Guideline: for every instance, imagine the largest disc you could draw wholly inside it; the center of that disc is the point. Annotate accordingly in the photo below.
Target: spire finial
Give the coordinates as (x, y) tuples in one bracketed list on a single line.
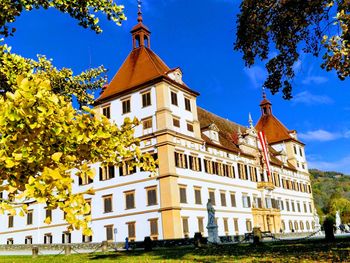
[(263, 93), (250, 120), (139, 17)]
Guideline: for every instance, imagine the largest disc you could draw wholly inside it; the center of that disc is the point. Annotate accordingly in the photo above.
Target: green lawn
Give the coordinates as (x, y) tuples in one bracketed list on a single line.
[(307, 251)]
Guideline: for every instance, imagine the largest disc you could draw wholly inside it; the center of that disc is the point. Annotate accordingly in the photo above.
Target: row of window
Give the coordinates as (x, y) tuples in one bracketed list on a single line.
[(174, 101), (151, 195), (109, 172), (288, 205), (245, 172), (109, 234), (297, 225), (126, 105), (146, 101)]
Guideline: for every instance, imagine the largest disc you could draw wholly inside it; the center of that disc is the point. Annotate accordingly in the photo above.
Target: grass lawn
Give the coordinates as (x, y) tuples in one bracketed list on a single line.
[(307, 251)]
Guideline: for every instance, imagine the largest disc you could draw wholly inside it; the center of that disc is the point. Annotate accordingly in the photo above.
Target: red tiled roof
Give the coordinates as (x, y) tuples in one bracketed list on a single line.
[(274, 130), (140, 66)]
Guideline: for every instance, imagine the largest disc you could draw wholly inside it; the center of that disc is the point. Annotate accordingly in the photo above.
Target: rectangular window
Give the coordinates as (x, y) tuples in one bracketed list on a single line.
[(180, 160), (235, 224), (268, 202), (174, 98), (146, 99), (66, 238), (190, 127), (305, 208), (185, 226), (107, 203), (195, 163), (48, 213), (197, 196), (84, 179), (28, 240), (298, 206), (246, 201), (187, 104), (233, 199), (147, 126), (153, 224), (109, 232), (295, 149), (106, 172), (183, 196), (293, 206), (130, 200), (30, 217), (86, 239), (127, 169), (131, 230), (106, 111), (248, 224), (200, 224), (301, 152), (48, 238), (226, 226), (151, 196), (10, 221), (212, 197), (176, 122), (9, 241), (287, 205), (241, 171), (126, 106), (223, 198)]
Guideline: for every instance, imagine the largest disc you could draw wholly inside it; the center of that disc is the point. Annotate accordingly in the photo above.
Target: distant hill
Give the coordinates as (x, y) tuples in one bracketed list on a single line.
[(331, 192)]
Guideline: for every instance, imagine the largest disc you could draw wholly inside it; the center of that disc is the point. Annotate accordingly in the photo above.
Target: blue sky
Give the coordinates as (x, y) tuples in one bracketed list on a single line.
[(198, 36)]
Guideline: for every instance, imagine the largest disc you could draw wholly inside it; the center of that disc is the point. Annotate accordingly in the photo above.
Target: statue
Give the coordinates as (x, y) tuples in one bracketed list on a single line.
[(337, 222), (211, 213), (213, 237)]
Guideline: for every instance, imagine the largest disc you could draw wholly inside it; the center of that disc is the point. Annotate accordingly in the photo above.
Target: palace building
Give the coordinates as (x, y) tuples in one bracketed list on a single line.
[(201, 156)]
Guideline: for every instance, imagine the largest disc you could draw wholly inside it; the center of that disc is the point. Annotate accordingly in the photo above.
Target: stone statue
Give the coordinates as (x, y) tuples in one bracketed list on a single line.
[(211, 213), (337, 222), (213, 237)]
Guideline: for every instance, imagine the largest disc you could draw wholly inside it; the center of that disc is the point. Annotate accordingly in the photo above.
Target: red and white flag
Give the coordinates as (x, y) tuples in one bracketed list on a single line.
[(263, 143)]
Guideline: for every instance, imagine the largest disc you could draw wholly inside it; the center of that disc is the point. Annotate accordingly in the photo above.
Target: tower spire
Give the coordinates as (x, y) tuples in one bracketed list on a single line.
[(139, 13), (140, 33)]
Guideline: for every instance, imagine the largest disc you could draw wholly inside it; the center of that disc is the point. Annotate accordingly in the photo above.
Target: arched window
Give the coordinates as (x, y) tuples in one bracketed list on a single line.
[(146, 40), (290, 225), (307, 225), (301, 225), (283, 226), (313, 225), (137, 39), (296, 226)]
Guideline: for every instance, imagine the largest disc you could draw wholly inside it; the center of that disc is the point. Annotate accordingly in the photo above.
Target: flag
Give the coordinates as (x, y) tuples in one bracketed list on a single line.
[(263, 143)]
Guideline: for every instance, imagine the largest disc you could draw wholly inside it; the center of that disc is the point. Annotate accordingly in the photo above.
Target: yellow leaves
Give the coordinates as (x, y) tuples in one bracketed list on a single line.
[(87, 232), (90, 191), (47, 220), (9, 163), (56, 156)]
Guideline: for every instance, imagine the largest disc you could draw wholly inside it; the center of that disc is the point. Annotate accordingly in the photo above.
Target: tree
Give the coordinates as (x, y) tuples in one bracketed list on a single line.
[(287, 28), (45, 142)]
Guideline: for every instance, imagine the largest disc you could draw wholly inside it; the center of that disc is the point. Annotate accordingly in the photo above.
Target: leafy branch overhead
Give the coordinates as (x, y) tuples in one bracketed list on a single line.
[(285, 28), (83, 11), (45, 143)]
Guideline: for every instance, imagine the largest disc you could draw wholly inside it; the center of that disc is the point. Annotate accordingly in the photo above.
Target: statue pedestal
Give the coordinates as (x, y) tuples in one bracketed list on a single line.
[(213, 237)]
